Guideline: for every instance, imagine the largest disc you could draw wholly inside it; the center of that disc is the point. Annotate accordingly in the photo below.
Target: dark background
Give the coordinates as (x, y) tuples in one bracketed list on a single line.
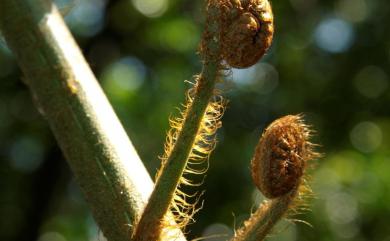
[(329, 60)]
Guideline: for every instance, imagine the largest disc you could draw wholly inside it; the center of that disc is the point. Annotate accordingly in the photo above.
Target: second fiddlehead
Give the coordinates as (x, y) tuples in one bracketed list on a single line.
[(278, 168)]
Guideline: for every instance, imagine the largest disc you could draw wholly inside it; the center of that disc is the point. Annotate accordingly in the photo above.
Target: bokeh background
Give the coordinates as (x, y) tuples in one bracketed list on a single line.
[(329, 60)]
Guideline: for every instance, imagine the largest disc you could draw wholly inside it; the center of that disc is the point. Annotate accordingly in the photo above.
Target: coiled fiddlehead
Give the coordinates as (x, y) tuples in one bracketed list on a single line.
[(281, 155), (246, 30), (278, 168)]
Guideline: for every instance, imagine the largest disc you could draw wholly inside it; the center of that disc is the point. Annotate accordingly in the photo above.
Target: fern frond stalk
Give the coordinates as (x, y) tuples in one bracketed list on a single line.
[(182, 146), (184, 205)]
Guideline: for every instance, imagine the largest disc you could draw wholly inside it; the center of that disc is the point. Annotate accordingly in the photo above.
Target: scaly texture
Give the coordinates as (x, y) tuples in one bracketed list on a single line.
[(246, 30), (278, 168), (281, 155)]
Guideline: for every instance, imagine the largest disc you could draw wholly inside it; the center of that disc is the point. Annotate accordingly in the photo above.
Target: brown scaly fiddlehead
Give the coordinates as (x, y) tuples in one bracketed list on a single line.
[(278, 169), (246, 30)]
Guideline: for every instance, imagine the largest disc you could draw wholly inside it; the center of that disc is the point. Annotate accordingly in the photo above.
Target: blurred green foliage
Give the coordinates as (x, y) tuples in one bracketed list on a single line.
[(329, 60)]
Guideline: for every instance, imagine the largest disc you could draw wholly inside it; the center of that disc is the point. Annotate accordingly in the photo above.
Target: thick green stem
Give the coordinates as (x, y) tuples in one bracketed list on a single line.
[(264, 219), (101, 156)]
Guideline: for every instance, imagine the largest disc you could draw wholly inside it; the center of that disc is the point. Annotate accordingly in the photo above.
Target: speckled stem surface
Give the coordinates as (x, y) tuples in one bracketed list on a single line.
[(101, 156)]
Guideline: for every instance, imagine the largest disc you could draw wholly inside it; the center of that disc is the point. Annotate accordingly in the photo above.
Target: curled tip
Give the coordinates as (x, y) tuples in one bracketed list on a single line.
[(281, 156), (249, 35), (244, 28), (247, 32)]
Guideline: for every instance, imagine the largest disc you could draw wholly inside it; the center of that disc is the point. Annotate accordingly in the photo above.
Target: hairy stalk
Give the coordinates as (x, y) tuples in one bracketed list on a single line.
[(278, 170), (181, 146), (191, 138), (101, 156), (184, 205)]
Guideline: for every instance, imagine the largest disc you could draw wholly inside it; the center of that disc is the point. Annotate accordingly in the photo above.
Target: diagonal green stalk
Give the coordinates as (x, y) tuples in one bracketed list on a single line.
[(149, 226), (172, 171), (101, 156)]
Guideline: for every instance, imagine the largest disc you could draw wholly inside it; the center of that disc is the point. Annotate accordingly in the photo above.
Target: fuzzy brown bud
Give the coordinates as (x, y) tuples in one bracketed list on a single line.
[(246, 31), (281, 156)]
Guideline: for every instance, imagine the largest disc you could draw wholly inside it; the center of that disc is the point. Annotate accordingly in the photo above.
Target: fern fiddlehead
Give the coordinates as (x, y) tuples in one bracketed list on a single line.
[(278, 170)]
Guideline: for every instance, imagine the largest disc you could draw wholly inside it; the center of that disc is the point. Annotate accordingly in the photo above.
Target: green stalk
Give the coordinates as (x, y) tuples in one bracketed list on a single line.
[(102, 158), (172, 171), (149, 227)]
